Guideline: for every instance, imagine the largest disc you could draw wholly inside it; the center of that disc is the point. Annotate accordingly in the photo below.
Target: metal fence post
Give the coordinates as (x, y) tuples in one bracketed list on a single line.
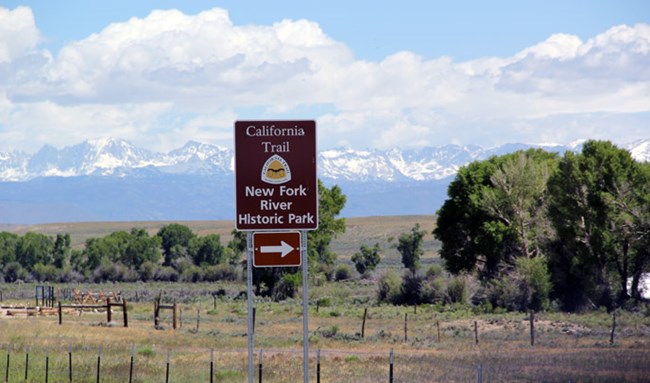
[(7, 371), (390, 370), (69, 363), (211, 365)]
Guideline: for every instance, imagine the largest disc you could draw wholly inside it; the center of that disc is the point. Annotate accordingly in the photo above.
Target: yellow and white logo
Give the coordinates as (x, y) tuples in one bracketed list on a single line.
[(276, 170)]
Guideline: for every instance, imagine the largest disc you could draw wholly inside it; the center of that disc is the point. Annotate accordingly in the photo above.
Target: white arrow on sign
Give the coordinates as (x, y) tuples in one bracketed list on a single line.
[(283, 249)]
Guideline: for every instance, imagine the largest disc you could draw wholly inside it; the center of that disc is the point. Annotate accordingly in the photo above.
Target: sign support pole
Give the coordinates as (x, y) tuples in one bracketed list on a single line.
[(305, 304), (249, 295)]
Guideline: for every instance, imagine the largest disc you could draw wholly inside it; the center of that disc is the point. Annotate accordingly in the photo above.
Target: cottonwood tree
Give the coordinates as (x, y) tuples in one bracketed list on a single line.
[(599, 210), (410, 247), (366, 259), (175, 241), (517, 199), (495, 213)]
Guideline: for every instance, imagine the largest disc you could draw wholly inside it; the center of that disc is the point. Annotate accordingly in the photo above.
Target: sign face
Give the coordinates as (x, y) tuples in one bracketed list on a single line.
[(276, 249), (275, 170)]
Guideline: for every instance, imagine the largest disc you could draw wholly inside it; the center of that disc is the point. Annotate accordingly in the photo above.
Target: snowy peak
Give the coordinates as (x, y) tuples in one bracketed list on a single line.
[(640, 150), (119, 158)]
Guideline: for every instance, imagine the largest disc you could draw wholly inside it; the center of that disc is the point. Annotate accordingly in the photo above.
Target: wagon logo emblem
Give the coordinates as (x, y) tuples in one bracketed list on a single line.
[(276, 170)]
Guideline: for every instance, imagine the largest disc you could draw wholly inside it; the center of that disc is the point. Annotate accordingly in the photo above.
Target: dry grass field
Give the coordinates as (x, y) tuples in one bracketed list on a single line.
[(568, 347)]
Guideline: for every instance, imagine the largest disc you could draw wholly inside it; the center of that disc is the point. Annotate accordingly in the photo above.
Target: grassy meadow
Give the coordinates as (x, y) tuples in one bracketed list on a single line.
[(430, 342)]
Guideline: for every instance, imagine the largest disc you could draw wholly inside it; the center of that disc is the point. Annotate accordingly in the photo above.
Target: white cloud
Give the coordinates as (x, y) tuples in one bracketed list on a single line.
[(170, 77), (18, 33)]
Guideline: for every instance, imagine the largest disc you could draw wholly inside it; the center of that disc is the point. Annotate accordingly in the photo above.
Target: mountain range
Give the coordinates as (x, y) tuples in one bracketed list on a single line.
[(112, 180)]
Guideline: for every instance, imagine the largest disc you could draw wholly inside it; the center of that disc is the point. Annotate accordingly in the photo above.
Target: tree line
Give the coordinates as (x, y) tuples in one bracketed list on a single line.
[(174, 253), (536, 227)]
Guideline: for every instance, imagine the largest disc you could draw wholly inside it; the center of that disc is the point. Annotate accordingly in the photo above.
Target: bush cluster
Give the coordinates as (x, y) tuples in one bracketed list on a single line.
[(414, 288)]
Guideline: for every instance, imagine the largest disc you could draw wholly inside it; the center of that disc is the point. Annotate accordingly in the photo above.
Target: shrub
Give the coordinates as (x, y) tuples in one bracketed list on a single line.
[(457, 290), (536, 282), (220, 273), (343, 273), (388, 287), (411, 288), (287, 287), (433, 290), (13, 272), (434, 271), (147, 271), (45, 273), (192, 274), (166, 274), (324, 302), (527, 287)]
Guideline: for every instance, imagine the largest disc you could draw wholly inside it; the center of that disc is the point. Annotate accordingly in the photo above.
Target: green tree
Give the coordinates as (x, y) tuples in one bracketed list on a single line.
[(410, 247), (62, 250), (34, 248), (207, 250), (330, 203), (141, 248), (366, 259), (516, 199), (495, 213), (8, 244), (593, 198), (175, 241), (95, 252), (462, 226)]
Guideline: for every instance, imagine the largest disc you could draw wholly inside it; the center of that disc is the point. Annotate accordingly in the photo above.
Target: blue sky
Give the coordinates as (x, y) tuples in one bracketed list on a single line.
[(373, 74)]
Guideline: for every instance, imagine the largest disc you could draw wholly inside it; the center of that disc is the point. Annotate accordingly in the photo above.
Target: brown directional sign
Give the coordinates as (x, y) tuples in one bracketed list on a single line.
[(275, 171), (276, 249)]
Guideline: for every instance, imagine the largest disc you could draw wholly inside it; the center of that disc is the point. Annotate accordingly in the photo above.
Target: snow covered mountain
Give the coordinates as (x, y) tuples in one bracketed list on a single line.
[(116, 157), (112, 180)]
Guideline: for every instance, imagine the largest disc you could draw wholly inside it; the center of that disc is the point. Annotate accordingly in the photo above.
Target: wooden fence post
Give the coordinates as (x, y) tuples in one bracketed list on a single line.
[(406, 319), (532, 327), (174, 316), (109, 317), (438, 327), (363, 323), (155, 313), (476, 332), (611, 336), (60, 314), (124, 313), (198, 318)]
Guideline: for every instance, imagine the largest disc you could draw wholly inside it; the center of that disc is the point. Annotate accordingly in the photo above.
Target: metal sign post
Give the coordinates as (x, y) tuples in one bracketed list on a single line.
[(249, 296), (305, 307)]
